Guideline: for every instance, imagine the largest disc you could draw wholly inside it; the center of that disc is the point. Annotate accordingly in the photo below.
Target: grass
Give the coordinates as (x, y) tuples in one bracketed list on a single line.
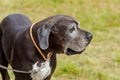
[(101, 59)]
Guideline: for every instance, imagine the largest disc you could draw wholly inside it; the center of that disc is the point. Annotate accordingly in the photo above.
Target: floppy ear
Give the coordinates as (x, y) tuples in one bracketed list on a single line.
[(43, 36)]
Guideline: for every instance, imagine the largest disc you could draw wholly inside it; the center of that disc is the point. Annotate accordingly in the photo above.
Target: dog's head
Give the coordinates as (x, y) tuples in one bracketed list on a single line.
[(62, 34)]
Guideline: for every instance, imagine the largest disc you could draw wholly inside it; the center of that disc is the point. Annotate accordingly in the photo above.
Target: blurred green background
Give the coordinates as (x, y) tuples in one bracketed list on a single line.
[(101, 59)]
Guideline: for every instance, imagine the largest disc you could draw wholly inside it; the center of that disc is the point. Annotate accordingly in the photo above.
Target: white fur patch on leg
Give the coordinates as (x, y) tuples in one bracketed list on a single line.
[(41, 72)]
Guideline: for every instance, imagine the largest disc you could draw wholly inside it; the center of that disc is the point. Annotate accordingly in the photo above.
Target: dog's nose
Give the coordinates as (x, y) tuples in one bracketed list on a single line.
[(89, 35)]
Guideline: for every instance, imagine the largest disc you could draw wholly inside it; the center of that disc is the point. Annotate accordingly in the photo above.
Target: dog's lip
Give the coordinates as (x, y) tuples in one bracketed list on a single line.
[(72, 52)]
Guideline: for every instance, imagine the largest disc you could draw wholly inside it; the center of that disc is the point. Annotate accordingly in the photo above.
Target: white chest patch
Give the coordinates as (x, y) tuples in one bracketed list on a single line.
[(41, 72)]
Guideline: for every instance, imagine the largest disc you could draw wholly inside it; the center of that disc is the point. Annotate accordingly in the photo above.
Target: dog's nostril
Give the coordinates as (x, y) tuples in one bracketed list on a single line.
[(89, 35)]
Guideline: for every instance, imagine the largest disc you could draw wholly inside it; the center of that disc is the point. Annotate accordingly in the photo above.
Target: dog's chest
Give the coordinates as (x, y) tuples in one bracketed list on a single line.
[(41, 72)]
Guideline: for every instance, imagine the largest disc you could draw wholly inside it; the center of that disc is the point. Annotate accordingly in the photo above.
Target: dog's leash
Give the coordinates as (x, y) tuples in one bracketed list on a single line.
[(20, 71), (36, 46), (31, 35), (15, 70)]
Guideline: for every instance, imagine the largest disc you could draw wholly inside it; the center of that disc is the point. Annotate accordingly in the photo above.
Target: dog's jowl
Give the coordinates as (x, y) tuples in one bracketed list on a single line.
[(55, 34)]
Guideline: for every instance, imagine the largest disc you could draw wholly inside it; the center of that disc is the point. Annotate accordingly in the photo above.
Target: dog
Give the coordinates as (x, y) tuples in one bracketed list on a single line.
[(55, 34)]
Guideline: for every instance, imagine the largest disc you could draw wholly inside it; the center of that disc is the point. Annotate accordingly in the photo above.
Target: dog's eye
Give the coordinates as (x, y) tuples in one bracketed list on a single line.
[(72, 29)]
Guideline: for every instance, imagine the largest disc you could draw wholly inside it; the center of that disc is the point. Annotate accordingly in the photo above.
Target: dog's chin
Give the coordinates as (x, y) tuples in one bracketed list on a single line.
[(73, 52)]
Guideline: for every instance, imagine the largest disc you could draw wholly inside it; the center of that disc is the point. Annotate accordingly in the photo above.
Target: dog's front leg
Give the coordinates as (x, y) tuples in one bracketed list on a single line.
[(48, 78), (20, 76)]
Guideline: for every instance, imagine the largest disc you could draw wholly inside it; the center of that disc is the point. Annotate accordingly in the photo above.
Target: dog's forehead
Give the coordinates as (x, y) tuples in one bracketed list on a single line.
[(64, 20)]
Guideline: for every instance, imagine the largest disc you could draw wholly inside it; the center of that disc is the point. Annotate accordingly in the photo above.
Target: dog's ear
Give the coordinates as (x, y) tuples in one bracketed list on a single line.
[(43, 36)]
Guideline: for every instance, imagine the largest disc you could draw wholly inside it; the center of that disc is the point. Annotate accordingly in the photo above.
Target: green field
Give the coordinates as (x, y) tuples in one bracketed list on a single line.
[(101, 59)]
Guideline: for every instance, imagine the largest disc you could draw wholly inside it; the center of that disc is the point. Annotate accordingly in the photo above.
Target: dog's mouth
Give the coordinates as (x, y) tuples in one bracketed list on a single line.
[(72, 52)]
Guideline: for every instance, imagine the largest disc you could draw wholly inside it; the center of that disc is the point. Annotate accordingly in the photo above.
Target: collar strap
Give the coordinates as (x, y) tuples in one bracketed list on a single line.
[(36, 46)]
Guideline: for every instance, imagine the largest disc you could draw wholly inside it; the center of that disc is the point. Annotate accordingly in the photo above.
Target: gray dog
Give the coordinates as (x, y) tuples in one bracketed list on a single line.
[(56, 34)]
